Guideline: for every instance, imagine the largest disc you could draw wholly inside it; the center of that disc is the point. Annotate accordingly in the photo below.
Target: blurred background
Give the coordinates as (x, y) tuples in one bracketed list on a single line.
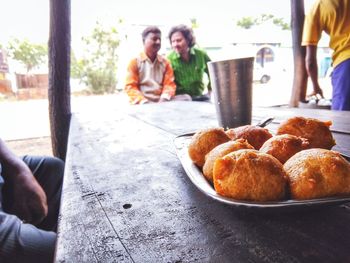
[(106, 34)]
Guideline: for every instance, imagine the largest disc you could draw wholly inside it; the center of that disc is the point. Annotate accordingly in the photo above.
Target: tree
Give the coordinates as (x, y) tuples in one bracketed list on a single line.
[(76, 69), (194, 23), (29, 54), (263, 18), (98, 67), (280, 22), (248, 22)]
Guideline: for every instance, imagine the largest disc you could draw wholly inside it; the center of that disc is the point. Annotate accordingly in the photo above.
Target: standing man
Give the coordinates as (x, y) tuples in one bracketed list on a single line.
[(189, 63), (332, 17), (150, 77)]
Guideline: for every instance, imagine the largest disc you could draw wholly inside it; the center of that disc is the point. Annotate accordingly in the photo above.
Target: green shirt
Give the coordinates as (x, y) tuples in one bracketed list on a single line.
[(189, 75)]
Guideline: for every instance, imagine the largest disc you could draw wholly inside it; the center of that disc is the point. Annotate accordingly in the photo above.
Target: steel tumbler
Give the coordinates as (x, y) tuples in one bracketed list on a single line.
[(231, 82)]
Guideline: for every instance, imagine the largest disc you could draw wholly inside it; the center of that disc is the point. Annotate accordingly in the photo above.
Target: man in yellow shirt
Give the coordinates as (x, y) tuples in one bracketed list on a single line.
[(332, 17)]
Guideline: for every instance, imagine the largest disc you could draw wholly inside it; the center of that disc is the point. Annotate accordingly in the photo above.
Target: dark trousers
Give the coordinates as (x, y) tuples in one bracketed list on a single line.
[(341, 86), (20, 242)]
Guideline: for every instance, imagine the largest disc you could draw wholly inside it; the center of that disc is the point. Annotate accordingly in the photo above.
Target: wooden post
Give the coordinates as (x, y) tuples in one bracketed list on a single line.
[(300, 74), (59, 75)]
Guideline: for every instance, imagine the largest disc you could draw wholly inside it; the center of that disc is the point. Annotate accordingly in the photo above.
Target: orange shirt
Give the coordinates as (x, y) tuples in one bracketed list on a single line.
[(149, 81)]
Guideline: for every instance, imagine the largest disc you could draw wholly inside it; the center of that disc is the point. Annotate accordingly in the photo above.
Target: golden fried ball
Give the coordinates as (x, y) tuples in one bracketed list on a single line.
[(220, 151), (316, 173), (284, 146), (316, 131), (250, 175), (203, 142), (255, 135)]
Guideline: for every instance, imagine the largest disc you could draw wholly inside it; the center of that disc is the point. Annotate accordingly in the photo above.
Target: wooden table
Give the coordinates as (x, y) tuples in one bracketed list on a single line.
[(126, 197)]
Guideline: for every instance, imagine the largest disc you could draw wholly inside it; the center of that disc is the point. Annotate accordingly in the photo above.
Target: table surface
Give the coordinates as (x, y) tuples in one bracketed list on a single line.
[(127, 198)]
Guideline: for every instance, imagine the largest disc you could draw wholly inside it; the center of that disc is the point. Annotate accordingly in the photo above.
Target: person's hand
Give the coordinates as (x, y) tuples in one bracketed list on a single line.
[(163, 100), (164, 97), (157, 92), (29, 199), (22, 194), (317, 92)]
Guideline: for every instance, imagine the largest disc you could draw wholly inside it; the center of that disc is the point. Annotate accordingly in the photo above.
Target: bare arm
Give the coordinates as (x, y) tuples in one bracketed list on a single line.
[(312, 70), (29, 200)]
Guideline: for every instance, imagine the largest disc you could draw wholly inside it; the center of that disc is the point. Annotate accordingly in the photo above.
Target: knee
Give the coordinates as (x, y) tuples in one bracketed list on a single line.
[(55, 166), (58, 163)]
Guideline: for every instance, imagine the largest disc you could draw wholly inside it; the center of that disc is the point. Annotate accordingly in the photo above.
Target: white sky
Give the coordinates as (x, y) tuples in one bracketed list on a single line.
[(30, 19), (26, 19)]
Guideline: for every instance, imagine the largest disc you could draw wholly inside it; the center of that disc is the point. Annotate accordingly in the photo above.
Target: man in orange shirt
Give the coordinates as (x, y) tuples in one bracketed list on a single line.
[(150, 77)]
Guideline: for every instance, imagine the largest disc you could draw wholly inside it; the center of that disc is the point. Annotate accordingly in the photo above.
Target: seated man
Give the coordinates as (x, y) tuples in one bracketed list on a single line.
[(189, 64), (150, 77), (30, 193)]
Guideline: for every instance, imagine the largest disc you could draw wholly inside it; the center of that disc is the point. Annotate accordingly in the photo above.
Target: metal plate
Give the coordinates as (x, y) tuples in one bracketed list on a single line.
[(195, 175)]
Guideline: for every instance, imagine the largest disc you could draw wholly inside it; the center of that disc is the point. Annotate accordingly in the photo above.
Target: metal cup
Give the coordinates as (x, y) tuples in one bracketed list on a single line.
[(231, 82)]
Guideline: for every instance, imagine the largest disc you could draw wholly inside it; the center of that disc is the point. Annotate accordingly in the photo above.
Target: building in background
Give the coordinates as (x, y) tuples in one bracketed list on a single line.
[(5, 83)]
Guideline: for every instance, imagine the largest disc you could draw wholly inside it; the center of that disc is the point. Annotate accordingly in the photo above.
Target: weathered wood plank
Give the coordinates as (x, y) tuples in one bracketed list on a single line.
[(199, 115), (127, 198), (88, 234), (300, 75)]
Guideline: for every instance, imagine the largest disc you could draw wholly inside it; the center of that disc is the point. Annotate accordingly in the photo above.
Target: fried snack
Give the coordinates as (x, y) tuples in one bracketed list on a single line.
[(250, 175), (220, 151), (316, 173), (255, 135), (284, 146), (316, 131), (203, 142)]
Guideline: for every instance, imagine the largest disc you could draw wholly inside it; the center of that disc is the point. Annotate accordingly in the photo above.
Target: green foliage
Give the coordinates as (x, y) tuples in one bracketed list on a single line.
[(263, 18), (76, 66), (248, 22), (29, 54), (280, 22), (194, 23), (98, 67)]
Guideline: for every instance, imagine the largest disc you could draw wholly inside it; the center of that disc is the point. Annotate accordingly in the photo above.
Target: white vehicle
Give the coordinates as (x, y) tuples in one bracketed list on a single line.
[(261, 74)]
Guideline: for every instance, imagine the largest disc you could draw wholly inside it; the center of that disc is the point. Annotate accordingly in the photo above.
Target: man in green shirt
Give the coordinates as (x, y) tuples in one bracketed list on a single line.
[(189, 64)]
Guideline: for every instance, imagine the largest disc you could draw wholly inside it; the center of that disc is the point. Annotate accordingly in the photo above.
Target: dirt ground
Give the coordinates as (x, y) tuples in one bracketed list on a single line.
[(27, 129), (32, 146)]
